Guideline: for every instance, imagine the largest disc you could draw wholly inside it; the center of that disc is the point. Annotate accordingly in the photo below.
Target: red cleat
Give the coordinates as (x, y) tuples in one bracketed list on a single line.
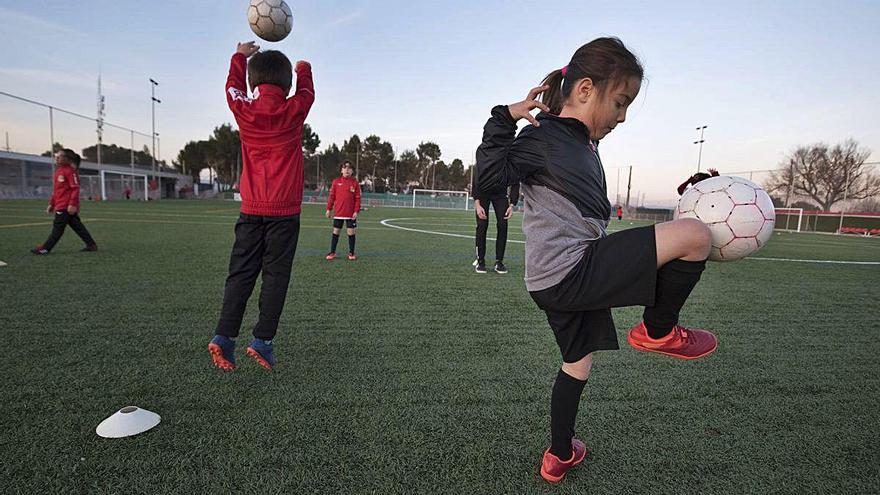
[(553, 469), (352, 257), (330, 256), (680, 343)]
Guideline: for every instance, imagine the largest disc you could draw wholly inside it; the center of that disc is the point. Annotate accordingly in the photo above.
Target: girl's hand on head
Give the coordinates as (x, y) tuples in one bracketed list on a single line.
[(247, 49), (521, 110)]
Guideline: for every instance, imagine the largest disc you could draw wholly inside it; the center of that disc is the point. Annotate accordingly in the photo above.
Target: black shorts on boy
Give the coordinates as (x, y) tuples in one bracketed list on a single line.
[(350, 223), (615, 271)]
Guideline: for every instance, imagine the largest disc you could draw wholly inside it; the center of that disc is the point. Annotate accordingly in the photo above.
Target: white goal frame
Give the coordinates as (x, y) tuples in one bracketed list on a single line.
[(434, 192), (130, 175), (789, 212)]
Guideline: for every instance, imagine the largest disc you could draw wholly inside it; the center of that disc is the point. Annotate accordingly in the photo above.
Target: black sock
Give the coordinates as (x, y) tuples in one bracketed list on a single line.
[(675, 281), (334, 242), (351, 244), (563, 411)]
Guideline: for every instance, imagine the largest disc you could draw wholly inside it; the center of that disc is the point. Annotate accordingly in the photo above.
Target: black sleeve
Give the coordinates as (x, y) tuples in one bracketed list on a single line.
[(476, 192), (503, 158), (514, 194)]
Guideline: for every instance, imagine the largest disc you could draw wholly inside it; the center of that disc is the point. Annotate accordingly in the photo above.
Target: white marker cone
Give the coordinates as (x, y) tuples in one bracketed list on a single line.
[(128, 421)]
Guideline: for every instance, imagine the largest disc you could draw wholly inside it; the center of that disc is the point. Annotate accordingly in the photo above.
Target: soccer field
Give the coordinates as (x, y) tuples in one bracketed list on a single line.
[(406, 372)]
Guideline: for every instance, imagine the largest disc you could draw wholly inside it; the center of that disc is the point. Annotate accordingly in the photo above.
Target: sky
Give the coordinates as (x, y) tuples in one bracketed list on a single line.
[(765, 77)]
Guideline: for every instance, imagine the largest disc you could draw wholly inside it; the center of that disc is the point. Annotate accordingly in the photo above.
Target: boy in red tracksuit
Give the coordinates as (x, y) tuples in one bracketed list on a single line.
[(267, 229), (65, 203), (345, 202)]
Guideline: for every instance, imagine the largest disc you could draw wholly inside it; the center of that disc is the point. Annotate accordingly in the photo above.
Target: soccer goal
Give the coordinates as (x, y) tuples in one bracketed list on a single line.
[(792, 216), (433, 198), (115, 185)]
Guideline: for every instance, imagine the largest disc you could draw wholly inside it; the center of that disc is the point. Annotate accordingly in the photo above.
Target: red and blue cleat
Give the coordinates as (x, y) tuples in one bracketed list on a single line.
[(261, 351), (222, 351)]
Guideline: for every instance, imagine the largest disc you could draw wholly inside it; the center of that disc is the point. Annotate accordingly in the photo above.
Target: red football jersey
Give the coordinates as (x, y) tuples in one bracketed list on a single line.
[(65, 188), (345, 197)]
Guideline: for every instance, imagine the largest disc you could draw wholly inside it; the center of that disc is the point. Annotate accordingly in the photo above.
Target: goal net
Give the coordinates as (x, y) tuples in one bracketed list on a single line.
[(433, 198)]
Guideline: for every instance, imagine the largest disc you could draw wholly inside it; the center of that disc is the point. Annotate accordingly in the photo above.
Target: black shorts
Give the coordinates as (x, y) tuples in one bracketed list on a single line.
[(350, 223), (618, 270)]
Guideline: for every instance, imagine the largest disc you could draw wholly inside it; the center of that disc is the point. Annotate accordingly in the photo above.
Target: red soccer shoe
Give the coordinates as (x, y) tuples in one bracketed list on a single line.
[(680, 343), (553, 469)]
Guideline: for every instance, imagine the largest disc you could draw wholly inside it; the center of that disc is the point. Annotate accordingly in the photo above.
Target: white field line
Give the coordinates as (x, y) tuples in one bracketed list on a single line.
[(387, 223)]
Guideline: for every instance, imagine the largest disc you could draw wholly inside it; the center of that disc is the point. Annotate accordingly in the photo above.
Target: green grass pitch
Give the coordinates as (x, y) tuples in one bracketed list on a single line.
[(406, 372)]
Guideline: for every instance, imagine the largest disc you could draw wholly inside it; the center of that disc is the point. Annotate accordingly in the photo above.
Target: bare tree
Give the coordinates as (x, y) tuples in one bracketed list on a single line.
[(824, 174)]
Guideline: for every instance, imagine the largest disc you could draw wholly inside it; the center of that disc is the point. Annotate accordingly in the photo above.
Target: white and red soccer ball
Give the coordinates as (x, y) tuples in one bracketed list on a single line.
[(270, 19), (739, 213)]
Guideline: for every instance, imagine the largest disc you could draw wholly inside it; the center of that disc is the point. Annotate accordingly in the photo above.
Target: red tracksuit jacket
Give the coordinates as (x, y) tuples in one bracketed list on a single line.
[(345, 197), (271, 126), (65, 188)]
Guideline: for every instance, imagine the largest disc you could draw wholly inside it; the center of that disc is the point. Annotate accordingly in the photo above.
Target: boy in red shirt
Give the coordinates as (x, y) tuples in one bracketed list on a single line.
[(345, 201), (267, 229), (65, 203)]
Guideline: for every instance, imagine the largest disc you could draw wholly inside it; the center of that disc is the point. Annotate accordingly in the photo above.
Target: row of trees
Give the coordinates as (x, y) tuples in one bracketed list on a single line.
[(816, 176), (377, 164), (111, 153)]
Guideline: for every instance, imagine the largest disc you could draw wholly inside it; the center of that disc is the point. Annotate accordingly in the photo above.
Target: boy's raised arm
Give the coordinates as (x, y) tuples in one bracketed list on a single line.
[(302, 99), (236, 84)]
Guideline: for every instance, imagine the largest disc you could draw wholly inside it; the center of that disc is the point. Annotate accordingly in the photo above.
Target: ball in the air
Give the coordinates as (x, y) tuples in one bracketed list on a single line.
[(271, 20)]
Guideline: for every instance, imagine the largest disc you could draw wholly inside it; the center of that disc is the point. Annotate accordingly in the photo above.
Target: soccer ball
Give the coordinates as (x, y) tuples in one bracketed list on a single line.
[(270, 19), (739, 213)]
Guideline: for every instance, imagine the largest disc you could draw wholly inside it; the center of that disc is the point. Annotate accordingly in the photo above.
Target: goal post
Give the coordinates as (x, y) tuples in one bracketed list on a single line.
[(790, 215), (435, 198), (115, 184)]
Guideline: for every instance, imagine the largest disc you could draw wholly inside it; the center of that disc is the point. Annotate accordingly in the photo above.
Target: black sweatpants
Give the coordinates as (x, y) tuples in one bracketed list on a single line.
[(264, 244), (500, 205), (62, 219)]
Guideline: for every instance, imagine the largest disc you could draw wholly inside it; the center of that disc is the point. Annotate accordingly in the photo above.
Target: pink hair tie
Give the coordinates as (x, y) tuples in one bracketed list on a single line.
[(564, 71)]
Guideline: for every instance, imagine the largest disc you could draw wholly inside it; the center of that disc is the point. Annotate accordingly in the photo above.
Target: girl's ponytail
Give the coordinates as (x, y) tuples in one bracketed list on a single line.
[(553, 96)]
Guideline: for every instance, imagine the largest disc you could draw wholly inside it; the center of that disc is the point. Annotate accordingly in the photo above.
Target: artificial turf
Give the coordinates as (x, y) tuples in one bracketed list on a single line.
[(406, 372)]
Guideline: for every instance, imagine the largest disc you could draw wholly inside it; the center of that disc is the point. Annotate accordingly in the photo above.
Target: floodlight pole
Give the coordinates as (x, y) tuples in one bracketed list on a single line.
[(132, 159), (154, 100), (51, 134), (700, 142)]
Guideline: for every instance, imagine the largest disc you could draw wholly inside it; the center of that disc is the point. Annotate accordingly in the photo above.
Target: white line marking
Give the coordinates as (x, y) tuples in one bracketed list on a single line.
[(387, 223), (833, 262), (463, 236)]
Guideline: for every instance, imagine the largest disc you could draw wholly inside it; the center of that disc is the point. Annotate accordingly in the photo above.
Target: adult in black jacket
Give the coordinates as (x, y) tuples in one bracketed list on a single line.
[(502, 200)]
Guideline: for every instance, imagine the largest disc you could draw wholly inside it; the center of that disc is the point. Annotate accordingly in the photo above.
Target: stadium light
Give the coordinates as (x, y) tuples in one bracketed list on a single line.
[(700, 142)]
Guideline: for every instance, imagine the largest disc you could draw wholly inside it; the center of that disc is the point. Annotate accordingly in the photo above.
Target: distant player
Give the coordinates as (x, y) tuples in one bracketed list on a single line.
[(65, 203), (502, 200), (345, 203), (267, 229), (697, 177), (619, 213)]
